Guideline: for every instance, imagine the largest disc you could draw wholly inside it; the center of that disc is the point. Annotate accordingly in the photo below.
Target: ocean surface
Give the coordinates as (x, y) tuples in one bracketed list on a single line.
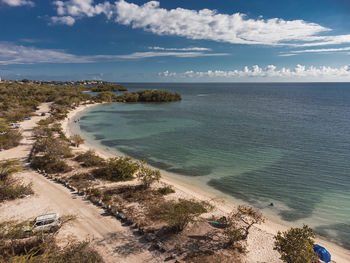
[(257, 143)]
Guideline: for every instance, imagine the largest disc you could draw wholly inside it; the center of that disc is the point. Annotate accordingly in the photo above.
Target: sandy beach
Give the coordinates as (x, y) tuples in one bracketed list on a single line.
[(260, 242)]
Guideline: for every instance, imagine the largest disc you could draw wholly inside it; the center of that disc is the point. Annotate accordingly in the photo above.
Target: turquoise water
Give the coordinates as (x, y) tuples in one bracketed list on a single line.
[(260, 143)]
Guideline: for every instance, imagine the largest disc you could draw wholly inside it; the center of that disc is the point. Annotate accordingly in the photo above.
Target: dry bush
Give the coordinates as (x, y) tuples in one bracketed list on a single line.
[(178, 214), (50, 164), (165, 190), (10, 138), (147, 176), (211, 257), (89, 159), (82, 180), (117, 169), (11, 188)]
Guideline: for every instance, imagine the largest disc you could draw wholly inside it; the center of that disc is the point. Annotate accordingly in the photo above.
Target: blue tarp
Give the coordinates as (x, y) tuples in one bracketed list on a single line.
[(322, 253)]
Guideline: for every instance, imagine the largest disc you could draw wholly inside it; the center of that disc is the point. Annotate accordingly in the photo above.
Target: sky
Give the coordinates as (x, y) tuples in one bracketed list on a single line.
[(176, 40)]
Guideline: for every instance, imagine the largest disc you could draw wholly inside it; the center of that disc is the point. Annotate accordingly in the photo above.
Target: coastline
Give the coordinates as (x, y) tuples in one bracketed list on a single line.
[(262, 234)]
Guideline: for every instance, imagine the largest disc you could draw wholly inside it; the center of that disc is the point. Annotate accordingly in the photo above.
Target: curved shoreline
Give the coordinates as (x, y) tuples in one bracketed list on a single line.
[(266, 230)]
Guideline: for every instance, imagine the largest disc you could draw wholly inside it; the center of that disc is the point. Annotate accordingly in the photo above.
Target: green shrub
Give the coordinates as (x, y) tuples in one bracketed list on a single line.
[(149, 96), (296, 245), (89, 159), (110, 87), (178, 214), (117, 169), (95, 193), (147, 176), (76, 140), (50, 164), (105, 96), (165, 190), (10, 138), (11, 188)]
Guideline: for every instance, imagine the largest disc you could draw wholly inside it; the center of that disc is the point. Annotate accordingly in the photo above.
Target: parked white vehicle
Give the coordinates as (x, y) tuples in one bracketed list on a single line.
[(15, 125), (47, 223)]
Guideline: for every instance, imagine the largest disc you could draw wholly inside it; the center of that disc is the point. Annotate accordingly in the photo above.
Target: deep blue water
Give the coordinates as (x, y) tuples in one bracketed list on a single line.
[(286, 143)]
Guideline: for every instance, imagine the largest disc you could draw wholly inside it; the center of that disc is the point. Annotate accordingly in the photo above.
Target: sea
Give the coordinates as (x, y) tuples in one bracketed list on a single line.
[(283, 148)]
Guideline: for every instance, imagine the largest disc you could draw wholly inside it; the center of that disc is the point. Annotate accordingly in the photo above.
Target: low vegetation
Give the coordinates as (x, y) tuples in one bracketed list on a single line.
[(296, 245), (49, 154), (178, 214), (11, 188), (108, 87), (17, 245), (149, 96), (76, 140), (117, 169), (239, 224), (89, 159), (9, 138), (165, 190), (147, 176)]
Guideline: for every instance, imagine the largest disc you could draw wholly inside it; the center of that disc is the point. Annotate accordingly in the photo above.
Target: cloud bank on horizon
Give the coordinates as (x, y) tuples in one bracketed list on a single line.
[(271, 71), (203, 24)]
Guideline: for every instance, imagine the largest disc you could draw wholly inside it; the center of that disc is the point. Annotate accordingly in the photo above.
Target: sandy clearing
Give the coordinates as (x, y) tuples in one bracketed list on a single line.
[(115, 242)]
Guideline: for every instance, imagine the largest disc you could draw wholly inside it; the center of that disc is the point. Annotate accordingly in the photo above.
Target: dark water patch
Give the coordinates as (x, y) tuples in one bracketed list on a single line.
[(111, 143), (101, 125), (197, 170), (137, 112), (337, 232), (86, 117), (99, 137), (291, 181), (87, 128), (143, 121), (101, 111)]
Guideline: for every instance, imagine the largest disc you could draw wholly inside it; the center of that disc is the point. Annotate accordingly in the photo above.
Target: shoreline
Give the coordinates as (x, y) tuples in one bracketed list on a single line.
[(264, 231)]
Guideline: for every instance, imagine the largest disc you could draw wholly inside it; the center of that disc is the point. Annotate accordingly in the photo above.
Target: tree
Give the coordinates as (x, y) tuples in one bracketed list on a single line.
[(147, 176), (105, 96), (76, 140), (239, 223), (296, 245)]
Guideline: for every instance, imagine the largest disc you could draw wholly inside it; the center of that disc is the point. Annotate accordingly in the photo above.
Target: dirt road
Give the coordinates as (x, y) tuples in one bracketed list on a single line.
[(115, 242)]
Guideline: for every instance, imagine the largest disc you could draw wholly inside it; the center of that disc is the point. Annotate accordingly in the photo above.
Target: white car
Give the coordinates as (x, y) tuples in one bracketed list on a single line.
[(15, 125), (47, 223)]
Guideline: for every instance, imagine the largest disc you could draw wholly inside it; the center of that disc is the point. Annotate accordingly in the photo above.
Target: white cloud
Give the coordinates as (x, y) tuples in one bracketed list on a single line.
[(18, 2), (181, 49), (64, 20), (206, 24), (321, 50), (270, 72), (140, 55), (18, 54), (80, 8)]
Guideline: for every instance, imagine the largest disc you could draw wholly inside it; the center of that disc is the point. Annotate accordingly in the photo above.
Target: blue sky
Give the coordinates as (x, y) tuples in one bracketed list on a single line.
[(178, 40)]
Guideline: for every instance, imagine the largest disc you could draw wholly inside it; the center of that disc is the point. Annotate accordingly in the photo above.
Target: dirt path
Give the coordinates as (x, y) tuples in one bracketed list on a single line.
[(115, 242)]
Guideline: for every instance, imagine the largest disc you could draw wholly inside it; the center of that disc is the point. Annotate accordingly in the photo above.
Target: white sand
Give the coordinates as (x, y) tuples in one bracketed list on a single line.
[(260, 242)]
